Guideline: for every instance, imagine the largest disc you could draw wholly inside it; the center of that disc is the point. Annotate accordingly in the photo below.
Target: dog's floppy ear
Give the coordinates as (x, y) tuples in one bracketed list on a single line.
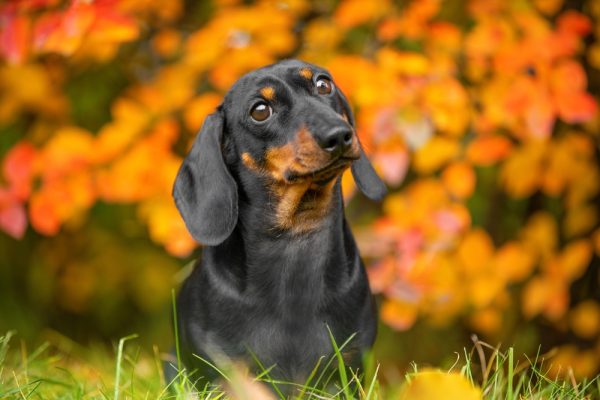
[(205, 192), (363, 172)]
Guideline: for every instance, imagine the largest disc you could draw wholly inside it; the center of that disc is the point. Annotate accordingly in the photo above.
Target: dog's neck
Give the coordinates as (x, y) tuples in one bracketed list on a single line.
[(284, 262)]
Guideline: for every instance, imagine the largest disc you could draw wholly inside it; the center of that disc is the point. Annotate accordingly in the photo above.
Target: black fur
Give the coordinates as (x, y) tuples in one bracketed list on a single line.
[(260, 287)]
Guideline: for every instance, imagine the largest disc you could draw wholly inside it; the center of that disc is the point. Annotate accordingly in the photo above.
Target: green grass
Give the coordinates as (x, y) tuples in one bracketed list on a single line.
[(61, 369)]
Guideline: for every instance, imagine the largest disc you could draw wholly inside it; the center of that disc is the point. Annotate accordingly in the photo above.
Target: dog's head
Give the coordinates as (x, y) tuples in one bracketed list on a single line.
[(289, 125)]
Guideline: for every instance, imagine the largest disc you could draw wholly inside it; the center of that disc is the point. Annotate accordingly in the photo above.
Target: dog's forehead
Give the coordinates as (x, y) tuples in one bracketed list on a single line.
[(287, 71)]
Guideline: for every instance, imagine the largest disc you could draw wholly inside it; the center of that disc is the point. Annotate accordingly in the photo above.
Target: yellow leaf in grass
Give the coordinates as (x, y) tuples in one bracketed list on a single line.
[(430, 384)]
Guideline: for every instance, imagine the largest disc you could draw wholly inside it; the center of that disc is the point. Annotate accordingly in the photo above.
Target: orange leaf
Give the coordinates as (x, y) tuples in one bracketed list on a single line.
[(63, 32), (70, 148), (109, 27), (351, 13), (567, 77), (19, 169), (60, 199), (488, 150), (44, 213)]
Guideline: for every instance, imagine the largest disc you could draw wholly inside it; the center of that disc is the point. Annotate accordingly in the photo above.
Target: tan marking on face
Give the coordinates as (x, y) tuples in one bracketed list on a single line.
[(310, 155), (306, 73), (268, 92), (250, 163), (278, 160), (300, 205), (355, 146)]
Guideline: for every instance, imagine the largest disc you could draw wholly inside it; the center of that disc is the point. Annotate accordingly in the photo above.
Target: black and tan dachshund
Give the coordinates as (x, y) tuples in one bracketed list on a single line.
[(261, 190)]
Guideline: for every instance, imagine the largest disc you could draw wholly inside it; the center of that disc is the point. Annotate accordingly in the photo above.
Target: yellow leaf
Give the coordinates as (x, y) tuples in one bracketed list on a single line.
[(430, 384), (540, 234), (521, 172), (448, 104), (596, 241), (475, 251), (548, 7), (574, 259), (166, 42), (584, 319), (459, 179), (166, 225), (435, 153), (583, 364), (403, 63), (580, 220), (487, 320), (543, 295), (483, 289), (199, 108), (514, 261), (398, 314)]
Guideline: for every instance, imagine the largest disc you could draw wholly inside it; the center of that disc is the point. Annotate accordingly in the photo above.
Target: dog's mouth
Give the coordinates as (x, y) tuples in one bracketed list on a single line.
[(323, 174)]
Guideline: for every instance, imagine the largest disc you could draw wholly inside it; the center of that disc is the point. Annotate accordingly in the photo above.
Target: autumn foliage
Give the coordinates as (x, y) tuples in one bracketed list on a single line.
[(479, 117)]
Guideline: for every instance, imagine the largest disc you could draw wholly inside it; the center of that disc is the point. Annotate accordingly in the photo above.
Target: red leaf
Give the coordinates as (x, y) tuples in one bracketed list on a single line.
[(576, 107), (574, 22), (13, 219), (64, 32), (14, 37)]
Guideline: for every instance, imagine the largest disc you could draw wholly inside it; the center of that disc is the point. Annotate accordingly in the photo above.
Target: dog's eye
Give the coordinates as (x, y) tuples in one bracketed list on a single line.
[(261, 112), (324, 86)]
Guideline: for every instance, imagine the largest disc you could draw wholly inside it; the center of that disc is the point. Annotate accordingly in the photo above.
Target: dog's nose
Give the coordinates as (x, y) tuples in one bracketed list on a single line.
[(336, 140)]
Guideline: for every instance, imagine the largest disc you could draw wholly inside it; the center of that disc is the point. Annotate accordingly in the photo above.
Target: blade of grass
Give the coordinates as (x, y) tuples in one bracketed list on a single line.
[(372, 385), (310, 378), (176, 329), (119, 361), (509, 390), (341, 365), (213, 366), (265, 372)]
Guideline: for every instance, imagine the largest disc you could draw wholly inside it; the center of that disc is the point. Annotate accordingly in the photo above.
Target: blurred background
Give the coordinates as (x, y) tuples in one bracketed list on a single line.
[(481, 116)]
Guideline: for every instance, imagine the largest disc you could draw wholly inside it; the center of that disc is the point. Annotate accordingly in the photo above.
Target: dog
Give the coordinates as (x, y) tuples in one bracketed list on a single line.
[(261, 190)]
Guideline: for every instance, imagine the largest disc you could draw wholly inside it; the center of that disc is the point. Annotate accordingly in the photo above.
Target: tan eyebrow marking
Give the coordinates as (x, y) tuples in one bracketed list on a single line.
[(306, 73), (268, 92)]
